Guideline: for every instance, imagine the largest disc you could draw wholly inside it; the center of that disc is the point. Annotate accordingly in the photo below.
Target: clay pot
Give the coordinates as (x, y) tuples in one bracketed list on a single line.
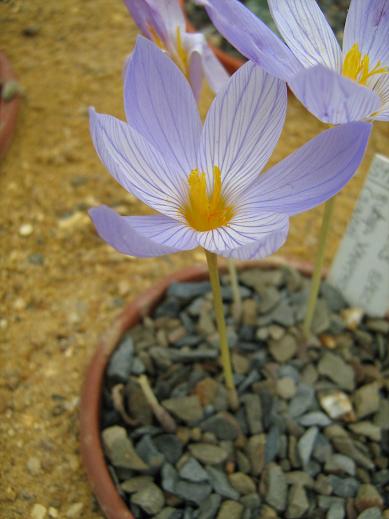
[(8, 109), (92, 453)]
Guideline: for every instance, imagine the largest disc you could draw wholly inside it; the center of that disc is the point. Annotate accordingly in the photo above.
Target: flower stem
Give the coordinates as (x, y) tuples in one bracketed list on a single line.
[(237, 300), (319, 262), (221, 324)]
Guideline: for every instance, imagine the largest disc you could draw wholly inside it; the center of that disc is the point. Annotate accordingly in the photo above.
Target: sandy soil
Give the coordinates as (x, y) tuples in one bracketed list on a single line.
[(61, 286)]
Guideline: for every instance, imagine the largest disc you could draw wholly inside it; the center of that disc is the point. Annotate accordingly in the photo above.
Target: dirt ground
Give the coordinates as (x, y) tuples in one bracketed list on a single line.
[(61, 286)]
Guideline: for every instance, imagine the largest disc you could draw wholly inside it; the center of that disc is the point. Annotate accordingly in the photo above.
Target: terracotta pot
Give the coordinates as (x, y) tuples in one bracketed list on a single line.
[(91, 447), (8, 109)]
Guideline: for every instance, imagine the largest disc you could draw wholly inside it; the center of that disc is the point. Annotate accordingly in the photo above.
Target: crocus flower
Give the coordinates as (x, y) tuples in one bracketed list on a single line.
[(204, 183), (163, 22), (336, 85)]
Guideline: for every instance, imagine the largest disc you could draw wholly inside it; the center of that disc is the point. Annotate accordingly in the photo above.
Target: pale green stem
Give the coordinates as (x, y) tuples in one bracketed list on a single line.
[(221, 325), (319, 262), (236, 298)]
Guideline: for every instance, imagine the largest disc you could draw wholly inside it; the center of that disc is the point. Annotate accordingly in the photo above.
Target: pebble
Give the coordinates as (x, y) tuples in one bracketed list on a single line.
[(256, 453), (193, 492), (276, 494), (53, 512), (335, 403), (193, 471), (223, 425), (150, 499), (188, 291), (334, 367), (119, 368), (168, 513), (286, 388), (370, 513), (253, 412), (186, 408), (283, 314), (26, 230), (336, 511), (302, 401), (242, 483), (135, 484), (38, 511), (221, 484), (352, 317), (149, 453), (120, 450), (367, 429), (230, 510), (368, 497), (208, 454), (208, 508), (298, 502), (344, 487), (321, 318), (306, 444), (367, 400), (34, 466), (314, 418), (170, 446), (339, 463), (74, 510), (283, 349)]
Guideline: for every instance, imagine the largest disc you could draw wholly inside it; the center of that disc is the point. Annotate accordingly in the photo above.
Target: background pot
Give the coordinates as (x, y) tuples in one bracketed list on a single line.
[(91, 447), (8, 109)]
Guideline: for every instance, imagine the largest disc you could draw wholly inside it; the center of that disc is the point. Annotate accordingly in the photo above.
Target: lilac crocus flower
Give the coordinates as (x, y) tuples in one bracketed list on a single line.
[(163, 22), (204, 183), (336, 85)]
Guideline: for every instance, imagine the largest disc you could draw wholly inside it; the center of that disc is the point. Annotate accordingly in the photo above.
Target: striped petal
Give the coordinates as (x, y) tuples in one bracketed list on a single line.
[(242, 128), (248, 226), (262, 248), (333, 98), (367, 24), (160, 106), (136, 164), (312, 174), (381, 88), (214, 71), (251, 37), (146, 15), (123, 236), (307, 32)]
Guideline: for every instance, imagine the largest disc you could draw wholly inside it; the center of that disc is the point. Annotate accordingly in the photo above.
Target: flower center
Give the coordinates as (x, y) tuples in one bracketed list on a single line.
[(202, 211), (357, 67)]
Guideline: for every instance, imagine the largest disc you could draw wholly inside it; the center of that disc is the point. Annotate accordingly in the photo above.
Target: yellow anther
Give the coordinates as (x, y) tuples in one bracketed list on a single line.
[(202, 211), (357, 67)]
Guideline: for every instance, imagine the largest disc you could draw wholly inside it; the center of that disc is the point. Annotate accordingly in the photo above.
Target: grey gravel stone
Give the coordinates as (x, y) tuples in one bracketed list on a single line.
[(220, 483), (208, 508), (367, 400), (368, 497), (188, 291), (193, 471), (251, 501), (223, 425), (276, 494), (306, 444), (321, 318), (169, 478), (192, 492), (298, 502), (186, 408), (149, 453), (170, 446), (370, 513), (286, 388), (169, 513), (367, 429), (253, 411), (314, 418), (256, 453), (302, 402), (150, 499), (208, 454), (119, 367), (336, 511), (120, 450), (242, 483), (230, 510), (344, 487), (338, 464), (334, 367), (130, 486), (284, 349)]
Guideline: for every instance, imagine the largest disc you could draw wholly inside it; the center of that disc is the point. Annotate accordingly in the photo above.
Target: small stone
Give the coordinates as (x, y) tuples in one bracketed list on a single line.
[(306, 444), (249, 312), (253, 411), (242, 483), (240, 364), (251, 501), (135, 484), (284, 349), (170, 446), (283, 314), (298, 502), (186, 408), (26, 230), (368, 497), (168, 513), (333, 297), (243, 462), (314, 418), (188, 291), (269, 298), (169, 478), (208, 454), (74, 510), (371, 513), (149, 453), (53, 512), (223, 425), (209, 507), (150, 499), (352, 317), (276, 494), (230, 510), (336, 511), (220, 484), (367, 429), (193, 471), (119, 367), (334, 367), (302, 401), (321, 318), (339, 463), (38, 511), (193, 492), (335, 403), (367, 400), (120, 449), (344, 487), (34, 466), (256, 453), (286, 388)]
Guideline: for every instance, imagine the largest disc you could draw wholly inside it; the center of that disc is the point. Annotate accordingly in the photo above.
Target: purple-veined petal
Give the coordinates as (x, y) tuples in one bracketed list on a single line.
[(381, 88), (136, 164), (121, 235), (367, 24), (196, 73), (160, 105), (312, 174), (242, 127), (172, 15), (248, 226), (307, 32), (216, 74), (262, 248), (146, 15), (251, 37), (333, 98)]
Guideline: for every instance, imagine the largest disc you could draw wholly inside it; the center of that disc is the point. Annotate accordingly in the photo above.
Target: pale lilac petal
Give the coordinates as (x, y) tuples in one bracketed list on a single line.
[(172, 15), (251, 37), (307, 32), (136, 165), (262, 248), (248, 226), (312, 174), (242, 127), (160, 105), (216, 74), (367, 25), (381, 88), (122, 236), (146, 15), (333, 98), (196, 73)]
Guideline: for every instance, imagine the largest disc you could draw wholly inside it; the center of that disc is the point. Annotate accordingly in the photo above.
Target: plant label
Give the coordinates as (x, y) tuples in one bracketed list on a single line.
[(361, 266)]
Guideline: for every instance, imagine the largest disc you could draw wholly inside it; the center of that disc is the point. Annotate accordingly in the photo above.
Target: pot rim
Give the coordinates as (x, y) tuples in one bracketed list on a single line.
[(91, 447), (8, 109)]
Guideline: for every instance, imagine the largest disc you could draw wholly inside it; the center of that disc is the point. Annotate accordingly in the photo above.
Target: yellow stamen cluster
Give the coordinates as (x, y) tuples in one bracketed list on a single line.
[(202, 211), (357, 67)]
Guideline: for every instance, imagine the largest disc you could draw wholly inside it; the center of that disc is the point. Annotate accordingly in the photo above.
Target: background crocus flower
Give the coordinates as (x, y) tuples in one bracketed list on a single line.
[(163, 22), (204, 183), (336, 85)]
